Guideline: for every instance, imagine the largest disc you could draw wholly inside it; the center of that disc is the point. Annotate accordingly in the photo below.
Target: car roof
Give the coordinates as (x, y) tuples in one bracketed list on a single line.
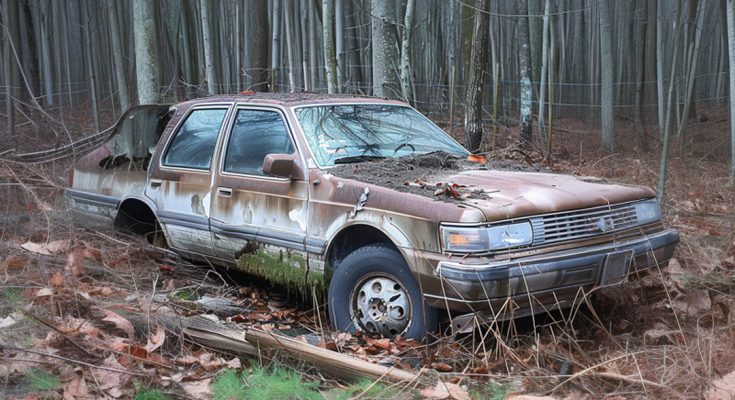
[(288, 99)]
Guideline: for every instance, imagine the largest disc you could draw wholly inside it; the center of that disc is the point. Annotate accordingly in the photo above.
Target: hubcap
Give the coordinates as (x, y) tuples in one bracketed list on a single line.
[(380, 305)]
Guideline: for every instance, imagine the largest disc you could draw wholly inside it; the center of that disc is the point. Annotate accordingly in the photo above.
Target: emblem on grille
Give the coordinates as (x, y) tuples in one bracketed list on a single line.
[(604, 224)]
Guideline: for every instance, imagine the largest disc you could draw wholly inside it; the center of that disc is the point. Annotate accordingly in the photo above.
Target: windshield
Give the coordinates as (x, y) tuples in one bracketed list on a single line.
[(345, 133)]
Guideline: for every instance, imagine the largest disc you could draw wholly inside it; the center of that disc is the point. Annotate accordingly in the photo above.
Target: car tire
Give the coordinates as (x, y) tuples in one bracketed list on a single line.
[(374, 291)]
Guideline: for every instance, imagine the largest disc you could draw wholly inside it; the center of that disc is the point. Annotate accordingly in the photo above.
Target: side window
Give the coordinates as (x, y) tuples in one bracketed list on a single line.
[(255, 134), (193, 144)]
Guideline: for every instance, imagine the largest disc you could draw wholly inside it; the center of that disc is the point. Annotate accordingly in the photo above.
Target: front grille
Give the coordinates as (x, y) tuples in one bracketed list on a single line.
[(578, 224)]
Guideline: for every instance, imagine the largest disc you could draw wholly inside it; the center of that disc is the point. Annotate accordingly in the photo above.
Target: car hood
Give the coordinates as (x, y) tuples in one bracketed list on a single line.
[(507, 195)]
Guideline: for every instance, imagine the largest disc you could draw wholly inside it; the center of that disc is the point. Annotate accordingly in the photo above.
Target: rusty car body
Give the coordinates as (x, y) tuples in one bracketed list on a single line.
[(271, 184)]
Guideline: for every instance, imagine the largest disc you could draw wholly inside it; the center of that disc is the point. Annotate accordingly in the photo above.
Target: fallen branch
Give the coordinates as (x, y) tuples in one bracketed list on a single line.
[(252, 341)]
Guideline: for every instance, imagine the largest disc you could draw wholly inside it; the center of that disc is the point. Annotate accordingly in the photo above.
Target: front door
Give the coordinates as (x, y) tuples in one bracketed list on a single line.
[(250, 210), (181, 185)]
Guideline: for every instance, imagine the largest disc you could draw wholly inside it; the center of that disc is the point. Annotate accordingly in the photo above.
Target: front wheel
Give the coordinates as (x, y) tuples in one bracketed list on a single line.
[(374, 291)]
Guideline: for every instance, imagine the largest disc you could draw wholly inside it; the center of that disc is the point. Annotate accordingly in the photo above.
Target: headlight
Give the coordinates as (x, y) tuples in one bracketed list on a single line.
[(647, 211), (484, 239)]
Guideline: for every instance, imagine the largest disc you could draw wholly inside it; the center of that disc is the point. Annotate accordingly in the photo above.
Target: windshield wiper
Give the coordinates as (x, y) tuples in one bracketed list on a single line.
[(360, 158)]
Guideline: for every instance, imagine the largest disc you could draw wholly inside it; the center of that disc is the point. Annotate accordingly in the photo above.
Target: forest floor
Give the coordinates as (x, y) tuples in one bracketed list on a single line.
[(78, 302)]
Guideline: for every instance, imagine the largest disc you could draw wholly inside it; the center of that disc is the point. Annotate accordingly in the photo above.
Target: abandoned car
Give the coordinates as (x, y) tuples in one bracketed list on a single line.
[(370, 201)]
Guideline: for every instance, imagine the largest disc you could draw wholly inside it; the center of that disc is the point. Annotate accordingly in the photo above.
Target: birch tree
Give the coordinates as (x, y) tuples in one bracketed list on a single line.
[(606, 61), (211, 73), (385, 51), (473, 101), (146, 57), (524, 65), (406, 88), (330, 62)]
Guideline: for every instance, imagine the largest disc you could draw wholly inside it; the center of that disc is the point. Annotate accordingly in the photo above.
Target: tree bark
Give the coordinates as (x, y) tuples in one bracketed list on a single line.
[(117, 52), (258, 46), (330, 62), (606, 61), (406, 87), (211, 73), (660, 68), (641, 72), (8, 69), (473, 101), (85, 26), (731, 54), (524, 64), (385, 51), (275, 40), (146, 57), (544, 68)]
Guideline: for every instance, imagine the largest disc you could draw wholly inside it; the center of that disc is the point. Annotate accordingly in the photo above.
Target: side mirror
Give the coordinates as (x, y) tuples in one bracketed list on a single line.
[(282, 166)]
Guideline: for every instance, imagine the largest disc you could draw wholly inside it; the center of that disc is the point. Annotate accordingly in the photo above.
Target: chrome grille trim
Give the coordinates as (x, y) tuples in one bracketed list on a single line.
[(571, 225)]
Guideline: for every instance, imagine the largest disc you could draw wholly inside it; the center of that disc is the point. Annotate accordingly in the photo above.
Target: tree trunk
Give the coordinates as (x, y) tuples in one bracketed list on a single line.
[(211, 73), (641, 72), (339, 36), (258, 46), (85, 26), (275, 41), (473, 100), (660, 67), (330, 62), (117, 52), (691, 74), (385, 51), (8, 69), (406, 52), (146, 57), (544, 68), (731, 54), (524, 64), (606, 61), (669, 109)]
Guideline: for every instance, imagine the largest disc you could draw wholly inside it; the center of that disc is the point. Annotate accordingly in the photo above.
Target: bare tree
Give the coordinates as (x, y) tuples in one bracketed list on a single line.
[(606, 61), (211, 73), (385, 51), (731, 54), (473, 101), (146, 57), (8, 69), (406, 87), (524, 66), (258, 45), (330, 62), (117, 52)]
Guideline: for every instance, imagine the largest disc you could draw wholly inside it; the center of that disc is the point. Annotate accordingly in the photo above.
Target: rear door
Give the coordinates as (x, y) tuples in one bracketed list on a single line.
[(250, 209), (180, 185)]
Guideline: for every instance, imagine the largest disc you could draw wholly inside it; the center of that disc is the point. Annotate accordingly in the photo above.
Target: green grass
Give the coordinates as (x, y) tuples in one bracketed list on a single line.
[(144, 393), (228, 386), (491, 391), (275, 384), (366, 390), (42, 381)]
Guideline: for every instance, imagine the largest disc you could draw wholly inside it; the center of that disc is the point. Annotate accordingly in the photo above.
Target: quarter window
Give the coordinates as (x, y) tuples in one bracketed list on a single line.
[(193, 144), (255, 134)]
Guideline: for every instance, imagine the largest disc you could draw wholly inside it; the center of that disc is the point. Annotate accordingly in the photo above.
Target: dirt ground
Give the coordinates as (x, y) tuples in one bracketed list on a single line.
[(78, 299)]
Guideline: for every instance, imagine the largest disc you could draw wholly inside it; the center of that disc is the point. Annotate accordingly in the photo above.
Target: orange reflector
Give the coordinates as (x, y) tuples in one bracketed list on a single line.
[(476, 158)]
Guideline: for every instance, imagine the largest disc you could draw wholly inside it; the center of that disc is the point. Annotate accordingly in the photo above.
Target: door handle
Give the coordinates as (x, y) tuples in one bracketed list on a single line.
[(156, 183), (224, 191)]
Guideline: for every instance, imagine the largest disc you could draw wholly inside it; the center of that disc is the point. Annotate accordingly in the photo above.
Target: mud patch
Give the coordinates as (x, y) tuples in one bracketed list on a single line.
[(425, 174)]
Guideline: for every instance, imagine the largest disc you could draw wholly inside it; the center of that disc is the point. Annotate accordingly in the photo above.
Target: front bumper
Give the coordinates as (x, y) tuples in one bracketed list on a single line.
[(544, 282)]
